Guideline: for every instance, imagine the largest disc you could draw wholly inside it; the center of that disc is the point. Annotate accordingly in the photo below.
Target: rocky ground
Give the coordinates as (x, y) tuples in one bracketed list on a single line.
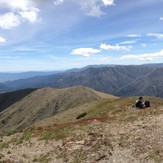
[(104, 140)]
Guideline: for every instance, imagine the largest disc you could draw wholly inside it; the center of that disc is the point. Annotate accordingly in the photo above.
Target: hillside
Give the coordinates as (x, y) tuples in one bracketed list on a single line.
[(105, 79), (150, 85), (45, 103), (111, 131), (7, 99)]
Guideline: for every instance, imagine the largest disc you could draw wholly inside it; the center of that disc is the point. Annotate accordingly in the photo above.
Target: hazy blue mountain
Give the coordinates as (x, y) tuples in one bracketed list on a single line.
[(105, 79), (149, 85), (117, 80), (90, 66), (11, 76), (4, 87), (23, 75), (154, 65)]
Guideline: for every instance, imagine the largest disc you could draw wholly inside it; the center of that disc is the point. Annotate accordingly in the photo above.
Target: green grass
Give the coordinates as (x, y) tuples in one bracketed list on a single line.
[(25, 137), (119, 110), (57, 134), (42, 159), (102, 107), (155, 155), (4, 145), (8, 133)]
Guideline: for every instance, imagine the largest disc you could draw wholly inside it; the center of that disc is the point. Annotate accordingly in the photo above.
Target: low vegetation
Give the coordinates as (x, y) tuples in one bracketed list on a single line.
[(108, 130)]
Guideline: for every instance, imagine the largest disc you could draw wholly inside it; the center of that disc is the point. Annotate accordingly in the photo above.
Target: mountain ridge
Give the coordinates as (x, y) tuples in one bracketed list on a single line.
[(105, 79), (150, 85), (44, 103), (110, 79)]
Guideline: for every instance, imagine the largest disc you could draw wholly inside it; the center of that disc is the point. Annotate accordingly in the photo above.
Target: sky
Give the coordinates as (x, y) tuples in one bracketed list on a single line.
[(43, 35)]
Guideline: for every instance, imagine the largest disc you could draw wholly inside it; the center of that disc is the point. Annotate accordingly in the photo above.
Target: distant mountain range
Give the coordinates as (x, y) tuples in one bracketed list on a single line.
[(23, 75), (112, 79), (9, 76)]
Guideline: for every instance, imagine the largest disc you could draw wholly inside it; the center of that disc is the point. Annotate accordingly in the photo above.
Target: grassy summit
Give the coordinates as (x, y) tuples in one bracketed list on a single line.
[(110, 131)]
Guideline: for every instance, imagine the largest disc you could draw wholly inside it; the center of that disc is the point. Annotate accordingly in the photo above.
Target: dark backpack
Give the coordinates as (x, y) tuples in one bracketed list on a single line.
[(147, 104)]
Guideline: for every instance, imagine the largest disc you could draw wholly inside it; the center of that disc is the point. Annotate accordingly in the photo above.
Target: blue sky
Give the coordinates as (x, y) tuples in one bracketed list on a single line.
[(62, 34)]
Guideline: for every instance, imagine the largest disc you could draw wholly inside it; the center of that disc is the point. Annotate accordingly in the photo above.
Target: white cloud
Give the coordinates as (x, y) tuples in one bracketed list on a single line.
[(2, 40), (31, 16), (134, 35), (17, 11), (95, 11), (158, 35), (116, 47), (148, 57), (92, 7), (58, 2), (86, 52), (161, 18), (108, 2), (129, 42), (15, 5), (9, 21)]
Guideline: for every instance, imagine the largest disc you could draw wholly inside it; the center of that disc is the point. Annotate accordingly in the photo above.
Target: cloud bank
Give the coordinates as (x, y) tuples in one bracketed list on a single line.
[(9, 20), (116, 47), (17, 11), (2, 40), (86, 52), (158, 35), (147, 57), (58, 2), (108, 2), (89, 7)]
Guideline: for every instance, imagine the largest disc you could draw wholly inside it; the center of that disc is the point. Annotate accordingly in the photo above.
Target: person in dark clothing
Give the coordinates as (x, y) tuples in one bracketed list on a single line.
[(139, 103)]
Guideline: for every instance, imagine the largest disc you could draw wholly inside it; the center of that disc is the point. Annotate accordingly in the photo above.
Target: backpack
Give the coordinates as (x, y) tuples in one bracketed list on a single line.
[(147, 104)]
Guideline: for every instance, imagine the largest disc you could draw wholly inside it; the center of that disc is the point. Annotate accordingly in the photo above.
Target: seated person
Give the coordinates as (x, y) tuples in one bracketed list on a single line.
[(140, 103)]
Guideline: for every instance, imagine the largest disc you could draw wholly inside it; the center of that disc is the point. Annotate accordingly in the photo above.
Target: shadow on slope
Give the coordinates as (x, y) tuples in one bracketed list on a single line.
[(7, 99)]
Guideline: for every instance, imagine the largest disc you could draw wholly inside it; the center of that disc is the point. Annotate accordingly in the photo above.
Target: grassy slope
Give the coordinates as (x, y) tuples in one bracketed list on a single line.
[(112, 131), (117, 108), (45, 103)]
